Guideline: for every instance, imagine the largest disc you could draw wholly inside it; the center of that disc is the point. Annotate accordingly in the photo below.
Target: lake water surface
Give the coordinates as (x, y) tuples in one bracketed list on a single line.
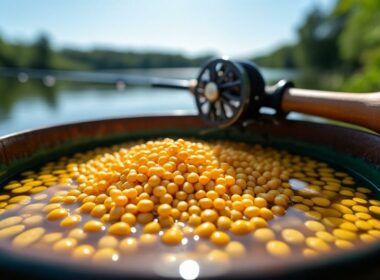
[(36, 103)]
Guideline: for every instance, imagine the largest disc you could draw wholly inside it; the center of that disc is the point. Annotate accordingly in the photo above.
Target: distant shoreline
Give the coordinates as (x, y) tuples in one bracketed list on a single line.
[(112, 76)]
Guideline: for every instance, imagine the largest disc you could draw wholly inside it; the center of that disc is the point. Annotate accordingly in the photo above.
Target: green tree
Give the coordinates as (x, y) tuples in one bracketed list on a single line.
[(5, 59), (360, 43), (42, 53), (280, 58), (318, 46), (340, 48), (2, 54), (362, 30)]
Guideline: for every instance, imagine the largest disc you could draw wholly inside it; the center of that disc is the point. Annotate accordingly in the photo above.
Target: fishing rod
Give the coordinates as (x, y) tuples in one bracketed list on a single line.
[(229, 92), (96, 77)]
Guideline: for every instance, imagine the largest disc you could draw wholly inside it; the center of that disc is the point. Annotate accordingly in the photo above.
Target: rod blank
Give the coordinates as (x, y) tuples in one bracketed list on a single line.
[(101, 77)]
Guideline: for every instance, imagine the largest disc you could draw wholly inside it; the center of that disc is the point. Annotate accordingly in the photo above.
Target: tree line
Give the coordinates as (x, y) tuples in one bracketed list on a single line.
[(339, 49), (41, 55)]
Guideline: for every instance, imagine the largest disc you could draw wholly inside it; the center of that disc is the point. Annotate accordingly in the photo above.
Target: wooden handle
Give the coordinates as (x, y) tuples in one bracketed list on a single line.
[(357, 108)]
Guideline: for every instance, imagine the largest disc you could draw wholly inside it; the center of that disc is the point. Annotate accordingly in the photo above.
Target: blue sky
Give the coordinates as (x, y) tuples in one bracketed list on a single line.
[(236, 28)]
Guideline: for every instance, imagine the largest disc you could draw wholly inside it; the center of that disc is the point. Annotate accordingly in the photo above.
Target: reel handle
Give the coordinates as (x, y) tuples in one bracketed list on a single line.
[(357, 108)]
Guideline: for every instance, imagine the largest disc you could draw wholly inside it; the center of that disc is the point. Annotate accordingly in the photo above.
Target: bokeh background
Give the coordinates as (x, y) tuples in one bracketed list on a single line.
[(323, 44)]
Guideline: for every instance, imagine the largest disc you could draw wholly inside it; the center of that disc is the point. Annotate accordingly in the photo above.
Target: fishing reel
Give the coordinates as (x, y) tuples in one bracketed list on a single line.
[(228, 92)]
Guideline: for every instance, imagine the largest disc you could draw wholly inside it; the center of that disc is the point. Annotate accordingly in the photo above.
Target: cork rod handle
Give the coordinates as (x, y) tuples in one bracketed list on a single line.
[(362, 109)]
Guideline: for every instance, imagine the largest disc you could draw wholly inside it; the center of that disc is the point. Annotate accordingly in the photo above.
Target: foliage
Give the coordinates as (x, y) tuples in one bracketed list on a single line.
[(360, 43), (280, 58), (106, 59), (340, 49), (318, 47), (40, 55)]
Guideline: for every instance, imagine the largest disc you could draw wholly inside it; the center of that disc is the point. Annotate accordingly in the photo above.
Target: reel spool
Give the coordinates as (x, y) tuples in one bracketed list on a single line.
[(228, 92)]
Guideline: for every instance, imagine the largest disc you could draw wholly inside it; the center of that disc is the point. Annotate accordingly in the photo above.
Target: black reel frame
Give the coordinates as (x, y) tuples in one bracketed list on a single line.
[(229, 92)]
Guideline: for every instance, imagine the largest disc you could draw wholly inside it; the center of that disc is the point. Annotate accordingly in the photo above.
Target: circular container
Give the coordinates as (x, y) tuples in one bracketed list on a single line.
[(355, 151)]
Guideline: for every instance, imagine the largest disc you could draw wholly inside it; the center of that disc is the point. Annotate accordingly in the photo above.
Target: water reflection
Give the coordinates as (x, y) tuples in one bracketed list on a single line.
[(33, 104), (12, 91)]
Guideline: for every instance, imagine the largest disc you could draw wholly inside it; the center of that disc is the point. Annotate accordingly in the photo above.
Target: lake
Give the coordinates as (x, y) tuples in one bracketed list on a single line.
[(27, 104)]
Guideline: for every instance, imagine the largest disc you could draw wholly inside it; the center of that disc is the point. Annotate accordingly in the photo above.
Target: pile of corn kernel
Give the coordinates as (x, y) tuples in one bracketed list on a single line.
[(161, 182), (172, 189)]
